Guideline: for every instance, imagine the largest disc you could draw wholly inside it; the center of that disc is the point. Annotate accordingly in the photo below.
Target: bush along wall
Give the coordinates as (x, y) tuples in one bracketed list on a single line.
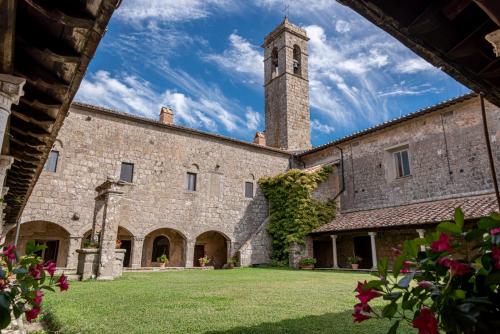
[(294, 211)]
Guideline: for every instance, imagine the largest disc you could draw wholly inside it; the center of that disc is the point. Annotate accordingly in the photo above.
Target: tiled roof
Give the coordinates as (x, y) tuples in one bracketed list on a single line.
[(424, 111), (412, 214)]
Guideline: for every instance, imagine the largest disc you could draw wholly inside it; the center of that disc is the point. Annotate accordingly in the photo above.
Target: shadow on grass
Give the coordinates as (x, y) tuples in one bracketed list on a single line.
[(337, 323)]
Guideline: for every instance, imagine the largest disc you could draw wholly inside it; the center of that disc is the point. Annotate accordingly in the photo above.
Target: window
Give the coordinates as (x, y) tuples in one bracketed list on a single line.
[(274, 63), (297, 60), (51, 164), (402, 163), (249, 189), (161, 246), (191, 181), (127, 172)]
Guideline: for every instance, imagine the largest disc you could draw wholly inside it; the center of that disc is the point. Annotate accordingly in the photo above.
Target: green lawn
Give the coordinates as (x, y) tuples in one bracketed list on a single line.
[(221, 301)]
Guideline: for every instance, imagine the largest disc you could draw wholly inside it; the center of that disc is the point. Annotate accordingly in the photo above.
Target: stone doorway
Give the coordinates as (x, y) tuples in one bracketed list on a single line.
[(215, 246), (51, 250), (164, 241), (362, 248), (199, 252), (125, 238), (322, 250)]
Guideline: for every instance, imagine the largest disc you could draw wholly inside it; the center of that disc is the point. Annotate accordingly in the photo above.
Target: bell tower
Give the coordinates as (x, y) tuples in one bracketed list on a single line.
[(286, 88)]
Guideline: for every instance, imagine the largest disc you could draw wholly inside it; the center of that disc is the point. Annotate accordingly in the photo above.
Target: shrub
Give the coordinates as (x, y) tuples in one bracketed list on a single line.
[(354, 259), (307, 261), (162, 259), (22, 282), (452, 286)]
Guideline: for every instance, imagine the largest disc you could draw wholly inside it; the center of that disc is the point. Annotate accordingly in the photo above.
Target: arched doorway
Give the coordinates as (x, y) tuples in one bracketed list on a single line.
[(164, 241), (124, 240), (214, 245), (53, 236)]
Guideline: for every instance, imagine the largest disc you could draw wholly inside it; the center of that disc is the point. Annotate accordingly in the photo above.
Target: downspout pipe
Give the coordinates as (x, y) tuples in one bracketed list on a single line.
[(343, 175)]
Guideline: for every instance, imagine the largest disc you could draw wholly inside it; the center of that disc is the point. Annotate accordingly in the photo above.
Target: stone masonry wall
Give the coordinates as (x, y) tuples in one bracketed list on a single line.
[(92, 147)]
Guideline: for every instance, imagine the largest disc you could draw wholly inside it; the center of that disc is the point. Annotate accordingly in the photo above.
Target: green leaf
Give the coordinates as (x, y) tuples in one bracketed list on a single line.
[(393, 296), (397, 265), (450, 228), (459, 218), (4, 311), (32, 247), (374, 284), (382, 266), (474, 235), (394, 328), (409, 304), (459, 294), (410, 247), (390, 310), (488, 223), (4, 301), (492, 279), (405, 281)]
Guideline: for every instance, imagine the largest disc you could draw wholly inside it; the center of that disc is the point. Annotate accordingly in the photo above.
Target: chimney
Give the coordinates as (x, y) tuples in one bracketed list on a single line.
[(260, 138), (166, 115)]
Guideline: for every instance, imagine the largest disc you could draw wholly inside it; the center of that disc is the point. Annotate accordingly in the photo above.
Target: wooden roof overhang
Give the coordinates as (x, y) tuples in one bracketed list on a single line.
[(449, 34), (50, 44)]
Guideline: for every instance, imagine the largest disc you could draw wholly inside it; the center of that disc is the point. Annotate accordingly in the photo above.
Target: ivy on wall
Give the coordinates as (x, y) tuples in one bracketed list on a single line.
[(294, 211)]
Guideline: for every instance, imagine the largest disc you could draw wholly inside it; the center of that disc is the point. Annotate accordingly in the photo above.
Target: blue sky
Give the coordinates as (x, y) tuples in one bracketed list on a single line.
[(203, 58)]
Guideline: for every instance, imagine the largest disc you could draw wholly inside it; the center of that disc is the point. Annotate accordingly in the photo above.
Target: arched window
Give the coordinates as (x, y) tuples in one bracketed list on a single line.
[(297, 66), (274, 62), (161, 246)]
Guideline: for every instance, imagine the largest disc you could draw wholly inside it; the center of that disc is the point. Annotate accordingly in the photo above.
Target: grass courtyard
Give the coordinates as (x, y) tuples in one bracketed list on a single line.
[(246, 300)]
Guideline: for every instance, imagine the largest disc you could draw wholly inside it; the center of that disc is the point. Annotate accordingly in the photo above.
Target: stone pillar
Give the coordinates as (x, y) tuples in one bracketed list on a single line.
[(11, 90), (189, 251), (229, 246), (136, 256), (494, 39), (421, 234), (374, 249), (74, 244), (295, 253), (109, 193), (334, 250)]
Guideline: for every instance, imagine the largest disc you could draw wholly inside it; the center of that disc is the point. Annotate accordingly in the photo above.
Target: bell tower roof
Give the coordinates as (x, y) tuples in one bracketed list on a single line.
[(287, 26)]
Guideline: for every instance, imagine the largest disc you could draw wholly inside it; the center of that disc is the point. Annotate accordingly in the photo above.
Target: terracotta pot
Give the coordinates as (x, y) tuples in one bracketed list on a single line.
[(202, 264), (355, 266), (162, 265), (306, 266)]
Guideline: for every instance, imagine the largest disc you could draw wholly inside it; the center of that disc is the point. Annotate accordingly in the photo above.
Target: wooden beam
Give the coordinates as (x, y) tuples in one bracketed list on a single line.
[(454, 8), (7, 35), (491, 8)]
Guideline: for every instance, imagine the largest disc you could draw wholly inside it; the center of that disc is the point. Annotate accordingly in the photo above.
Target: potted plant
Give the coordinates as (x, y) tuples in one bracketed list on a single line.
[(307, 263), (163, 260), (354, 261), (231, 262), (118, 244), (203, 261)]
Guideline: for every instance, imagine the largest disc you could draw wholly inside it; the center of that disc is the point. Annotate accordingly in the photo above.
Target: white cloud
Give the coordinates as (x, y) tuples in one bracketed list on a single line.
[(413, 65), (171, 10), (241, 58), (323, 128), (252, 118), (342, 26)]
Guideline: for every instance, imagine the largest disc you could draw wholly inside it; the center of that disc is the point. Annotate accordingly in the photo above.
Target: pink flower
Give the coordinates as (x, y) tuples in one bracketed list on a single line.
[(36, 271), (459, 268), (495, 254), (426, 322), (424, 284), (365, 295), (360, 317), (50, 267), (406, 267), (358, 308), (10, 252), (442, 244), (495, 231), (38, 297), (62, 283), (32, 314), (444, 261)]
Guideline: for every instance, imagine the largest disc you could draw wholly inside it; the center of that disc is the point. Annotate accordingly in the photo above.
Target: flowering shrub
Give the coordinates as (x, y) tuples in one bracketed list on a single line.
[(23, 281), (454, 285)]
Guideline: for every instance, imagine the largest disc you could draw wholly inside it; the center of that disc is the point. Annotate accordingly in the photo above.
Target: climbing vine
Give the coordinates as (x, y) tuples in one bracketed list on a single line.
[(294, 210)]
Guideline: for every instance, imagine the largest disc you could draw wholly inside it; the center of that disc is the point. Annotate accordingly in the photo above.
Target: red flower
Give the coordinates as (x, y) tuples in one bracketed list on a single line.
[(358, 308), (406, 267), (426, 322), (495, 231), (10, 252), (32, 314), (50, 266), (444, 261), (62, 283), (360, 317), (459, 269), (442, 244), (36, 271), (495, 254), (424, 284), (365, 295), (38, 297)]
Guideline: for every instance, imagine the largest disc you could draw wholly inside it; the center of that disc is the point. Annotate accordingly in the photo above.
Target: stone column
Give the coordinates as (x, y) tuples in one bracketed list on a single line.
[(136, 256), (421, 234), (75, 243), (334, 249), (189, 251), (229, 246), (11, 90), (374, 249), (109, 193)]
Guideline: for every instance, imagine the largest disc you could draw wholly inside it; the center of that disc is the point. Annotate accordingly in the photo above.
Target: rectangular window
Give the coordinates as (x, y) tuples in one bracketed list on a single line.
[(402, 163), (249, 189), (191, 181), (127, 172), (51, 163)]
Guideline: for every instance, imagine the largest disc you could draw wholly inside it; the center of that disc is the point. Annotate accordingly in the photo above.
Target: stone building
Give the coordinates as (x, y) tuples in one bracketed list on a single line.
[(160, 188)]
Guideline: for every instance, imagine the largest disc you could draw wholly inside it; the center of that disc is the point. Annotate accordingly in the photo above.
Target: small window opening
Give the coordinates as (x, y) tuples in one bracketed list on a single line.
[(51, 164), (402, 163), (297, 66), (249, 189), (191, 181), (127, 172)]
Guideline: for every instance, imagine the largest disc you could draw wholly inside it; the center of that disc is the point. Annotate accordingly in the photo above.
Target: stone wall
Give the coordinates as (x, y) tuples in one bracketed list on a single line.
[(447, 158), (92, 145)]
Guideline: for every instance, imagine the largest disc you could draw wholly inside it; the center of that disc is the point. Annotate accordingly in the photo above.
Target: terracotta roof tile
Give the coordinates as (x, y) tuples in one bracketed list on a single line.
[(412, 214)]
